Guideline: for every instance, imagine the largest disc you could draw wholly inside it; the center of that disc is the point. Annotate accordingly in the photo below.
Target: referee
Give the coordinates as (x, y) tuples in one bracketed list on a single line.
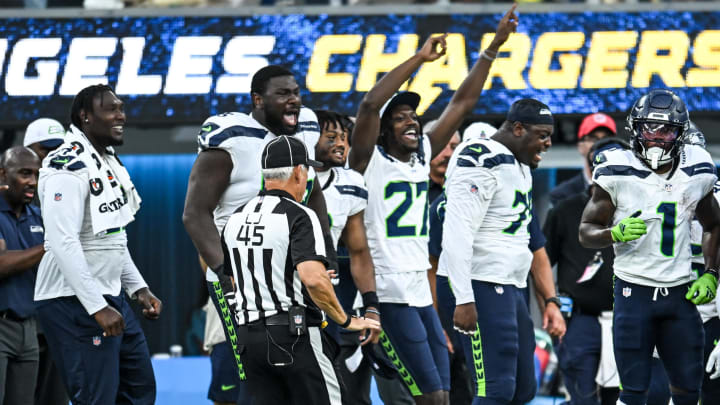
[(275, 249)]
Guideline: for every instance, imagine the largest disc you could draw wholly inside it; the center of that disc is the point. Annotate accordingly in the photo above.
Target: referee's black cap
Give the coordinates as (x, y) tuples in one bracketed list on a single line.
[(286, 151)]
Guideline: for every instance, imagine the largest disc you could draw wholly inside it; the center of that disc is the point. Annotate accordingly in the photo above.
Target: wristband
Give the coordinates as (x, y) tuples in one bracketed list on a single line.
[(217, 269), (714, 272), (486, 56), (554, 300), (347, 322), (370, 299), (487, 50), (372, 311)]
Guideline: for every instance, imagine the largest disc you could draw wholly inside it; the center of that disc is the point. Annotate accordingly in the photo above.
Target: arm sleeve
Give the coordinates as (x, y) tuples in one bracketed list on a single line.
[(537, 238), (63, 219), (131, 279), (469, 193), (306, 239)]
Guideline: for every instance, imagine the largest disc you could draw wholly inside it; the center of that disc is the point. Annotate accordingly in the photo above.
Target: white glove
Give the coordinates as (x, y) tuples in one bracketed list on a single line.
[(714, 363)]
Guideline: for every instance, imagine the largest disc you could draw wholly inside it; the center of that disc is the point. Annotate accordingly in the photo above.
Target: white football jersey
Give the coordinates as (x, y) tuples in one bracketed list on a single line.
[(709, 310), (244, 138), (345, 195), (396, 220), (488, 210), (662, 257)]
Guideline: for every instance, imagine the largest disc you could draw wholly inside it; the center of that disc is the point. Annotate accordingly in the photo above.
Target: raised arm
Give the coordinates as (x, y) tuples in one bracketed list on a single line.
[(467, 94), (209, 178), (367, 122)]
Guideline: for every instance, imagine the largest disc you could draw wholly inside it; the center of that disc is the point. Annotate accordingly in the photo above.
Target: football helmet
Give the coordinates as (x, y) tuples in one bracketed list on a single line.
[(694, 136), (658, 123)]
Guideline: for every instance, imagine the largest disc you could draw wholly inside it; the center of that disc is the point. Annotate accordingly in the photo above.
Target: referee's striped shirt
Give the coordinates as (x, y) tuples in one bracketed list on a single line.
[(264, 241)]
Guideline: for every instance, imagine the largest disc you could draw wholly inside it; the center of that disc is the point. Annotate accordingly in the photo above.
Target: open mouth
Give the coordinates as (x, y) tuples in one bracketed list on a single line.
[(118, 129), (29, 194), (411, 134), (337, 153), (290, 119), (538, 156)]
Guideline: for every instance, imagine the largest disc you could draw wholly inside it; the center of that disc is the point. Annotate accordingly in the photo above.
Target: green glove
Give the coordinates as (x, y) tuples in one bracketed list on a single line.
[(702, 290), (628, 229)]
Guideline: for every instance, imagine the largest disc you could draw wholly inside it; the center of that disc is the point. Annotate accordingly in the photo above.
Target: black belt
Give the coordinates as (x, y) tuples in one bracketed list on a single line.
[(279, 319), (10, 316)]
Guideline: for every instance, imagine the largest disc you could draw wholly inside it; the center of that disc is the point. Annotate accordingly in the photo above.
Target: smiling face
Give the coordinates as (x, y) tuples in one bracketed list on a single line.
[(280, 105), (535, 140), (332, 147), (405, 128), (104, 125)]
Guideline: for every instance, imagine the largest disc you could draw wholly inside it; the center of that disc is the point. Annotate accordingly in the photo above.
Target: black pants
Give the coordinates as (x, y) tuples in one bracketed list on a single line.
[(285, 369)]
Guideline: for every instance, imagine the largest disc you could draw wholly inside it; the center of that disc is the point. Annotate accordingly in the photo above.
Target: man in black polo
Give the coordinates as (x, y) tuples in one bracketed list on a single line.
[(21, 248), (275, 249)]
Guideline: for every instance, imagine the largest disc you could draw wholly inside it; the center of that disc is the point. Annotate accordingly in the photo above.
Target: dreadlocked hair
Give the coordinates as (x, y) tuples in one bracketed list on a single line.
[(331, 119), (84, 99)]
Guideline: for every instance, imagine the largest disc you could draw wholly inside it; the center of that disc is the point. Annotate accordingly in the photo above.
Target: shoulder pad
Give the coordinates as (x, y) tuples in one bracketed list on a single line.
[(307, 121), (695, 160), (66, 157), (218, 128), (479, 153)]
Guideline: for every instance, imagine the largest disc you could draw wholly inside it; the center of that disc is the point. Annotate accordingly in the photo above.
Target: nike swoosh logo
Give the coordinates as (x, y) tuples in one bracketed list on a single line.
[(479, 149), (61, 160), (227, 387), (208, 129)]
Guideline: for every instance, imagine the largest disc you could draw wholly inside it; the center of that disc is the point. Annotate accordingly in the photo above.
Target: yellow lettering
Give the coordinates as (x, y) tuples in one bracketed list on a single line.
[(607, 59), (668, 65), (540, 75), (450, 69), (509, 69), (706, 54), (318, 78), (375, 61)]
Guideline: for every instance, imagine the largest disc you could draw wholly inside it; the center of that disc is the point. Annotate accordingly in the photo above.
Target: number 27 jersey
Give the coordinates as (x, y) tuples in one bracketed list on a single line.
[(661, 257), (396, 217)]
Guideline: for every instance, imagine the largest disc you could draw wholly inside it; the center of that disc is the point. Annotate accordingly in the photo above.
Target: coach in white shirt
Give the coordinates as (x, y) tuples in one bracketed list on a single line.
[(87, 199)]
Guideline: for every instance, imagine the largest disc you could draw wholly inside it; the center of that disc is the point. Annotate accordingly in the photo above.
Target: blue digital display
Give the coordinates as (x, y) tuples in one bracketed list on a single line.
[(183, 69)]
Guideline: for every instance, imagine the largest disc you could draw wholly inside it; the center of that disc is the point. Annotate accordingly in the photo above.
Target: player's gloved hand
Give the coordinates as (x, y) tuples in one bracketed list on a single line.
[(628, 229), (714, 363), (228, 289), (702, 290)]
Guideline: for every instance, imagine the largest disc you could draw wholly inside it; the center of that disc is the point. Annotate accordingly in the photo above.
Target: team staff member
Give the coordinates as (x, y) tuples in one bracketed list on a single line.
[(87, 199), (585, 275), (227, 172), (274, 247), (593, 128), (485, 251), (43, 135), (21, 248)]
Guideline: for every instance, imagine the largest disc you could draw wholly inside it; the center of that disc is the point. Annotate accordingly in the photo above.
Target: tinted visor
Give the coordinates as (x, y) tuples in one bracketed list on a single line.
[(651, 131)]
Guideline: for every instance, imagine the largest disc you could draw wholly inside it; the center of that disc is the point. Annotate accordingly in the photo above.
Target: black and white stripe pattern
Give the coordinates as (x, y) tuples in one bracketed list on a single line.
[(264, 241)]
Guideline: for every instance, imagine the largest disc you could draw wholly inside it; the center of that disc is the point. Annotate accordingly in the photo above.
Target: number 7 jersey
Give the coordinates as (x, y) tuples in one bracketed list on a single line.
[(662, 257)]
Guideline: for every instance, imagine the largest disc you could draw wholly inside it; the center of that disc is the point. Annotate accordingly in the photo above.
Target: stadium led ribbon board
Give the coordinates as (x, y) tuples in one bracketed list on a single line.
[(185, 68)]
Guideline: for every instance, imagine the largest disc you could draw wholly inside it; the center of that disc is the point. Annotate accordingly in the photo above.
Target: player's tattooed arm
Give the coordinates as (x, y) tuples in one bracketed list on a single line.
[(466, 96), (367, 123), (209, 178), (599, 211), (708, 213)]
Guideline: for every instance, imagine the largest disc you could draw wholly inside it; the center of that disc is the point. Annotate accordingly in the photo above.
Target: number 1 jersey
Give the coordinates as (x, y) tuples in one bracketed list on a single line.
[(662, 257)]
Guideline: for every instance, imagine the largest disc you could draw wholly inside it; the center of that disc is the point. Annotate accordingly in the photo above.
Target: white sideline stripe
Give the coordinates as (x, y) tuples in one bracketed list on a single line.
[(326, 367)]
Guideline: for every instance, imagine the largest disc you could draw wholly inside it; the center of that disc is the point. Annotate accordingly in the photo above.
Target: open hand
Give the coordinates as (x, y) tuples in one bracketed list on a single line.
[(434, 48)]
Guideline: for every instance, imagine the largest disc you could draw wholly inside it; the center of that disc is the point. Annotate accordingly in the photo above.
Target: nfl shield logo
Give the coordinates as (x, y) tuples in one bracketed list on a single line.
[(473, 189), (627, 291), (499, 289), (297, 319), (58, 196), (96, 341), (668, 187)]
